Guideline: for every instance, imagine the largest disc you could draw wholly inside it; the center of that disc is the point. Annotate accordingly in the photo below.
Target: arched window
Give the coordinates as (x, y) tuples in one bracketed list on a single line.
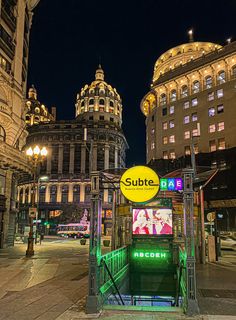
[(111, 104), (196, 86), (64, 194), (208, 82), (2, 134), (82, 103), (221, 77), (234, 71), (163, 99), (27, 195), (21, 196), (102, 102), (53, 193), (101, 91), (184, 91), (173, 95), (37, 110), (76, 193), (42, 193), (91, 101), (87, 195), (36, 118)]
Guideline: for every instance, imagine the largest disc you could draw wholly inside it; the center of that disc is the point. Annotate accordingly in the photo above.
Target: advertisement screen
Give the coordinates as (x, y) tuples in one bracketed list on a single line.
[(152, 221)]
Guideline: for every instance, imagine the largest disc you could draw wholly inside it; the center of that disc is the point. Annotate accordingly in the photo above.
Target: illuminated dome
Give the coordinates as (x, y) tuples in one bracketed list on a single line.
[(36, 112), (99, 98), (181, 55)]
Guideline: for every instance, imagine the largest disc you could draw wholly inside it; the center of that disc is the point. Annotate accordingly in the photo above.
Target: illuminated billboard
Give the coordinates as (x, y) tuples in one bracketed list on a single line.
[(152, 221)]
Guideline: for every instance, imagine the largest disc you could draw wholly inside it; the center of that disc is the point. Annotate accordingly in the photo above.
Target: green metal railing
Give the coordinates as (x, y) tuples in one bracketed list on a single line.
[(113, 271), (181, 290)]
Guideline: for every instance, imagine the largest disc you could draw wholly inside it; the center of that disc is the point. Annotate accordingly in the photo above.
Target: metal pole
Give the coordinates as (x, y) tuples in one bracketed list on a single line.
[(192, 304), (93, 303), (203, 242), (30, 246), (113, 243)]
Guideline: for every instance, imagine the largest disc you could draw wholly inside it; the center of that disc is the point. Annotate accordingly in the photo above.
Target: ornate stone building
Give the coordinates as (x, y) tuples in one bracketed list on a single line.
[(15, 22), (191, 104), (93, 141)]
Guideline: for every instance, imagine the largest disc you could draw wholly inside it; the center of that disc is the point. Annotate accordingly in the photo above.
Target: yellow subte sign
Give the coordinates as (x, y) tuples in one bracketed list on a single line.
[(139, 184)]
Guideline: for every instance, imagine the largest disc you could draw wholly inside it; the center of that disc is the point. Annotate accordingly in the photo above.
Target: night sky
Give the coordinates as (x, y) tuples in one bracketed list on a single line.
[(70, 38)]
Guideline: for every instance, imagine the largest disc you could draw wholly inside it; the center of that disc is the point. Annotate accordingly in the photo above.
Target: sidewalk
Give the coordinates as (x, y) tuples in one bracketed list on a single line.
[(52, 285)]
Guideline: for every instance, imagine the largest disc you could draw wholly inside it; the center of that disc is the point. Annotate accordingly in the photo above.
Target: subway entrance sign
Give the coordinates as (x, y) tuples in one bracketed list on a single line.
[(149, 255), (171, 184)]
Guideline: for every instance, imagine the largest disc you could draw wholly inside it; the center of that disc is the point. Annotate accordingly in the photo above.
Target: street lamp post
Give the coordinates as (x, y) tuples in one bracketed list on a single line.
[(35, 155)]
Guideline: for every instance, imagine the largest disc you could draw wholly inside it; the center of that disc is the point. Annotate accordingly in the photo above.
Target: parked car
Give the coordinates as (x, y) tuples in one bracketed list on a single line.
[(228, 242)]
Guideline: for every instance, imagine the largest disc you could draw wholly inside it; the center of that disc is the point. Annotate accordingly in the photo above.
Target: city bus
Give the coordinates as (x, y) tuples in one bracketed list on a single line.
[(73, 230)]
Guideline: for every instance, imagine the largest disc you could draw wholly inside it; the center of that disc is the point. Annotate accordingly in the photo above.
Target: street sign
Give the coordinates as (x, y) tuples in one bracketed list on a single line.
[(32, 212), (211, 216), (139, 184)]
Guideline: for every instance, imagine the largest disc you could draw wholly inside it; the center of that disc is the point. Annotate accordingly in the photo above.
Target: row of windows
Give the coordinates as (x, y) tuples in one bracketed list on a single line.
[(98, 92), (100, 109), (219, 94), (101, 102), (213, 146), (196, 87)]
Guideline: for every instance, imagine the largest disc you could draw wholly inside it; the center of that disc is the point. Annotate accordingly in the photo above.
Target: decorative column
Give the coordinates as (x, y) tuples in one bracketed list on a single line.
[(70, 194), (23, 195), (60, 158), (192, 304), (83, 158), (59, 193), (49, 160), (72, 158), (82, 192), (94, 157), (116, 157), (47, 193)]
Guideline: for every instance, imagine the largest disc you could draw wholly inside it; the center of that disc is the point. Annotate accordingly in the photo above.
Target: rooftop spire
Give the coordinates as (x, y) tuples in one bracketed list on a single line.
[(99, 75)]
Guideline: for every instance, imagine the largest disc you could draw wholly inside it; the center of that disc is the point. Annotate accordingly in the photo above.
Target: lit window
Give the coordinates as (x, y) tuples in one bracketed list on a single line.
[(208, 82), (196, 86), (91, 101), (195, 148), (186, 119), (212, 145), (153, 145), (187, 151), (194, 116), (220, 126), (186, 104), (194, 102), (172, 154), (211, 112), (164, 125), (171, 124), (221, 144), (152, 131), (165, 155), (220, 108), (172, 109), (163, 99), (172, 139), (184, 91), (173, 95), (212, 128), (187, 135), (195, 133), (164, 111), (165, 140), (211, 96), (220, 93), (221, 77)]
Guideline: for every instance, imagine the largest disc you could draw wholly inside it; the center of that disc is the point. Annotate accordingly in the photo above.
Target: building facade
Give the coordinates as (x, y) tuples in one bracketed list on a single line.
[(93, 141), (191, 106), (15, 22)]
